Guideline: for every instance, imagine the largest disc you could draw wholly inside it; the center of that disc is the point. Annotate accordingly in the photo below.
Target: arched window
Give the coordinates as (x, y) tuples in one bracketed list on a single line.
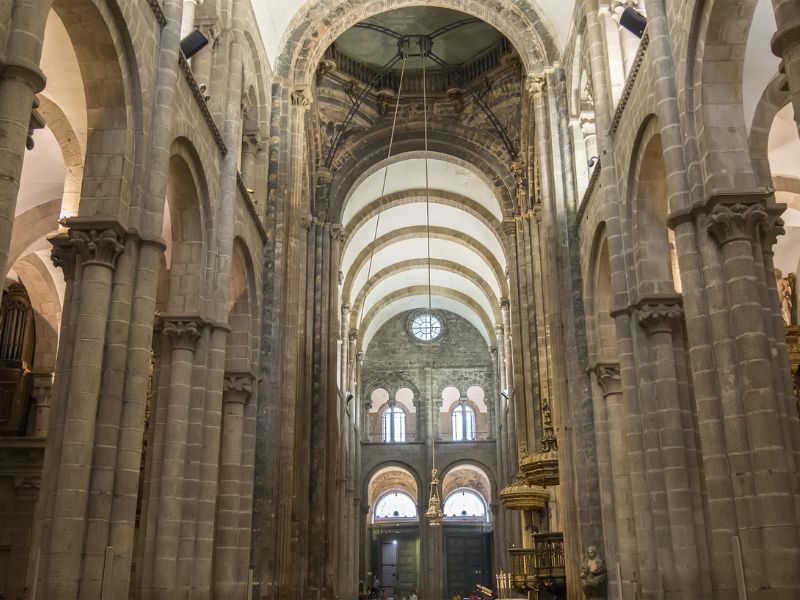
[(463, 423), (464, 503), (393, 424), (395, 505)]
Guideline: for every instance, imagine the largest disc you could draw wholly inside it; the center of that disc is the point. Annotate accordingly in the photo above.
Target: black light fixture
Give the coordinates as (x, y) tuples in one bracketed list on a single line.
[(193, 43), (633, 21)]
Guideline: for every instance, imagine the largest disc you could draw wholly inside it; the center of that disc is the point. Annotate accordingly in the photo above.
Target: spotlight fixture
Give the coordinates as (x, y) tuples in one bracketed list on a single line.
[(592, 162), (193, 43), (633, 21)]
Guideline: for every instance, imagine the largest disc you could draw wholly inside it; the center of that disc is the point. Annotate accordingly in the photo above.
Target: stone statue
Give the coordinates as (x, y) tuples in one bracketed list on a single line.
[(593, 575), (785, 294)]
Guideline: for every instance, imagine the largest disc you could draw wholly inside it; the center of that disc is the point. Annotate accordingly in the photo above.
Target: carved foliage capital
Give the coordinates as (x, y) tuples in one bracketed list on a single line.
[(609, 378), (336, 232), (237, 387), (96, 246), (63, 256), (659, 318), (302, 98), (184, 333), (537, 84), (731, 222)]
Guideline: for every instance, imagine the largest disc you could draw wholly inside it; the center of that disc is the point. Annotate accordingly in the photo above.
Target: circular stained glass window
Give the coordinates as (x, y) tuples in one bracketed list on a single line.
[(426, 327)]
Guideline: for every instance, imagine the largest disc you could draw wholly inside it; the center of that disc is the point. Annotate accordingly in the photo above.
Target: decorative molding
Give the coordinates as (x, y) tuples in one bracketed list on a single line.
[(251, 207), (158, 12), (201, 102), (593, 179), (336, 232), (629, 83)]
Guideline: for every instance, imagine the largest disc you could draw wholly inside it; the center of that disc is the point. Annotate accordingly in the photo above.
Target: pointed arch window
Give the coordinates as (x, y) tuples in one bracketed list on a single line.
[(393, 424), (463, 420)]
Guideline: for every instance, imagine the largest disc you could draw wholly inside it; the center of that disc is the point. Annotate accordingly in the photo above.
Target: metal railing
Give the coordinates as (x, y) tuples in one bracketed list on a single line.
[(531, 566)]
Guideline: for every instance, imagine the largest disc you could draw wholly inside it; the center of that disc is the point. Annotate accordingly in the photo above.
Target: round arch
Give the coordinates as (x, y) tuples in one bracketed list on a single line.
[(314, 28), (113, 103), (465, 149), (393, 465)]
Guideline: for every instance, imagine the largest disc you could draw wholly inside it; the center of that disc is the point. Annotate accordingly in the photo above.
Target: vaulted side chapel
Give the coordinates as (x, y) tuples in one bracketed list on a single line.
[(399, 299)]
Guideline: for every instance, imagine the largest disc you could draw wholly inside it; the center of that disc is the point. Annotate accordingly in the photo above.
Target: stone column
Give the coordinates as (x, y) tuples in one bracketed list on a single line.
[(228, 581), (608, 376), (189, 10), (252, 146), (344, 358), (606, 478), (20, 79), (667, 460), (42, 393), (736, 224), (786, 45), (98, 250), (183, 336)]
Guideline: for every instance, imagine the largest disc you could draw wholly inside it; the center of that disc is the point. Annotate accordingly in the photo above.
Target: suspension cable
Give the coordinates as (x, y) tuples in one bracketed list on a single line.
[(383, 191)]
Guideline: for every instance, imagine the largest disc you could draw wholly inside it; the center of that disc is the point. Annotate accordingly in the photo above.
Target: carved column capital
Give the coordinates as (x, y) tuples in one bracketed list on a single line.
[(505, 304), (537, 84), (63, 255), (26, 487), (609, 378), (771, 229), (237, 387), (302, 98), (498, 330), (336, 232), (509, 227), (306, 221), (324, 175), (97, 246), (659, 318), (731, 222), (353, 335), (184, 333)]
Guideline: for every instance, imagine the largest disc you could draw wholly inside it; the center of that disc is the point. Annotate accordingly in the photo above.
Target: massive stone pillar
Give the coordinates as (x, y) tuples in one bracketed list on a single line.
[(68, 567), (20, 80)]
